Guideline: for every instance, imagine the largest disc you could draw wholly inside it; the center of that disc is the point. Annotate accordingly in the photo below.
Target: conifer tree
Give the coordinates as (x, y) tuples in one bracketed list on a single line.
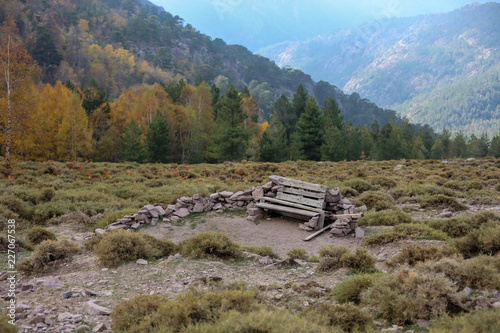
[(273, 142), (309, 131), (495, 147), (130, 148), (158, 140), (298, 106), (458, 145), (231, 137), (334, 147), (283, 110)]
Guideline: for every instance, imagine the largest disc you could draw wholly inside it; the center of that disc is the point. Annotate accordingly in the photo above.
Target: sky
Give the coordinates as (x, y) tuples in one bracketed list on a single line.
[(259, 23)]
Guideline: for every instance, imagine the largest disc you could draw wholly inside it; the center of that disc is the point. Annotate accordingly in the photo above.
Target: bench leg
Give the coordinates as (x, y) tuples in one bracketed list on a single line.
[(321, 221)]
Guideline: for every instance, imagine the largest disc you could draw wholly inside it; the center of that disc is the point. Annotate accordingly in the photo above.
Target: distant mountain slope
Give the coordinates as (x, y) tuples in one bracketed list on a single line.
[(122, 43), (401, 63)]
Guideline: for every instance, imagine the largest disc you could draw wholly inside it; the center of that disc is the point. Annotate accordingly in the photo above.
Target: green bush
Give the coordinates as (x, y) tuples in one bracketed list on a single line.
[(374, 200), (45, 195), (485, 240), (360, 260), (461, 225), (405, 231), (408, 295), (346, 316), (441, 202), (350, 290), (128, 315), (260, 250), (358, 184), (330, 257), (44, 253), (477, 321), (387, 218), (415, 253), (297, 253), (382, 181), (37, 235), (210, 244)]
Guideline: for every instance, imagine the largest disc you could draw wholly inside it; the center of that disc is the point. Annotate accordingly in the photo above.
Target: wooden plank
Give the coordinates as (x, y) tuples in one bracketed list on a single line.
[(321, 221), (301, 192), (301, 200), (290, 204), (336, 216), (301, 184), (287, 209), (317, 233)]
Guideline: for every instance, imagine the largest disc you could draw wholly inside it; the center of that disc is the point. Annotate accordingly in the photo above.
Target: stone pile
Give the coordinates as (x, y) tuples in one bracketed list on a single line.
[(151, 214), (343, 226)]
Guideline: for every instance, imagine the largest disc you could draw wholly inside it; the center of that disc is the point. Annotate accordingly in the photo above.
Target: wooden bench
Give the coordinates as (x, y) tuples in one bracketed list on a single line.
[(298, 199)]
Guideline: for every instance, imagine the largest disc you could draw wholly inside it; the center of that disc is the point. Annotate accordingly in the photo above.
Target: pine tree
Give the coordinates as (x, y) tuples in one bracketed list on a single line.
[(309, 131), (332, 114), (334, 148), (298, 106), (495, 147), (283, 110), (390, 143), (273, 142), (458, 145), (437, 150), (130, 148), (158, 140), (231, 138)]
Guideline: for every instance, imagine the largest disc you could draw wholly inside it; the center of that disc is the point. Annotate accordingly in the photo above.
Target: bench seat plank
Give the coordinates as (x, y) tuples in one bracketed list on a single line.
[(302, 192), (291, 210), (292, 204), (317, 203), (301, 184)]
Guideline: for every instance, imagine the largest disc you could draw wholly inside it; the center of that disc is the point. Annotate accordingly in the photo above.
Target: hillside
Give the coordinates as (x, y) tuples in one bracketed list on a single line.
[(401, 63), (120, 44)]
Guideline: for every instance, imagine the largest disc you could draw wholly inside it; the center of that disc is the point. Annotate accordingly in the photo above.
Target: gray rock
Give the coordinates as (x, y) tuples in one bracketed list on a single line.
[(226, 194), (182, 212), (64, 316), (198, 207), (258, 193), (467, 291), (160, 210), (399, 166), (217, 206), (53, 283), (266, 260), (360, 233), (94, 309), (67, 294), (196, 197), (99, 231), (236, 195), (141, 262), (38, 319), (254, 211), (423, 323), (174, 218), (39, 309), (100, 327), (496, 305), (275, 179), (214, 196)]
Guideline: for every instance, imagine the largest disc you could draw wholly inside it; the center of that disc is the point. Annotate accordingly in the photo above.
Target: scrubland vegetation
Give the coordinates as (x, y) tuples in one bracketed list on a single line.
[(422, 281)]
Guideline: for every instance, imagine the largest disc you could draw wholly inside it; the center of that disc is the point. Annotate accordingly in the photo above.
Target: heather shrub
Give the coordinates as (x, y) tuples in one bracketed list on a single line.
[(405, 231), (346, 316), (477, 321), (382, 181), (128, 315), (297, 253), (388, 218), (118, 246), (45, 195), (46, 252), (460, 226), (263, 320), (482, 197), (350, 290), (330, 257), (479, 272), (485, 240), (260, 250), (374, 200), (37, 235), (415, 253), (408, 295), (441, 202), (210, 244), (360, 260), (5, 327), (358, 184)]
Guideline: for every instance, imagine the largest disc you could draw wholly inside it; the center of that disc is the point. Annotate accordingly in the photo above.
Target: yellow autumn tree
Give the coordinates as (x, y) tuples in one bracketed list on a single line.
[(18, 72), (74, 138), (52, 104)]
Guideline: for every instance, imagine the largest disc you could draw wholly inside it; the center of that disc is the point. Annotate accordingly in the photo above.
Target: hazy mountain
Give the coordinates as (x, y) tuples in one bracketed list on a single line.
[(441, 69), (116, 44)]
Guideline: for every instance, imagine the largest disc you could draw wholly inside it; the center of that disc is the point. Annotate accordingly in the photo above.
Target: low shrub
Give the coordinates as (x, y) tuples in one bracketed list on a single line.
[(388, 218), (374, 200), (385, 182), (405, 231), (478, 273), (210, 244), (477, 321), (112, 217), (46, 252), (461, 225), (19, 243), (297, 253), (128, 315), (475, 185), (118, 246), (45, 195), (485, 240), (360, 260), (346, 316), (358, 184), (260, 250), (415, 253), (5, 327), (407, 295), (37, 235), (441, 202), (482, 197), (350, 290), (330, 257)]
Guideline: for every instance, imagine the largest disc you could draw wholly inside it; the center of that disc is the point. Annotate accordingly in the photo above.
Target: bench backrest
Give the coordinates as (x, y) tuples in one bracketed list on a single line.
[(300, 192)]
